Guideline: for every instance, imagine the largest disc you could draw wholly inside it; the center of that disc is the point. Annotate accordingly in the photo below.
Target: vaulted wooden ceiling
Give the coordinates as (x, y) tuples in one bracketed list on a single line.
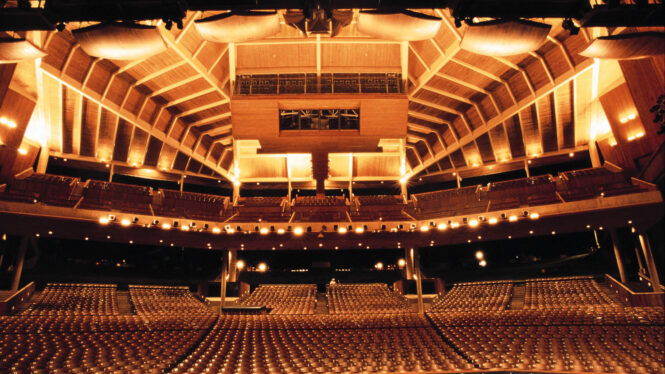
[(172, 111)]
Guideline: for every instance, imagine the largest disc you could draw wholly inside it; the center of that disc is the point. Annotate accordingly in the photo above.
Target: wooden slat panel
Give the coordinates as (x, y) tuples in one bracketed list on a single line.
[(377, 57), (530, 131), (224, 108), (514, 133), (564, 114), (209, 54), (299, 56), (89, 128), (181, 161), (57, 50), (484, 63), (69, 98), (149, 111), (486, 105), (200, 101), (152, 154), (471, 154), (518, 85), (500, 142), (534, 68), (187, 89), (416, 68), (444, 164), (423, 151), (118, 89), (501, 96), (425, 50), (457, 158), (457, 70), (574, 44), (450, 86), (547, 124), (193, 166), (122, 138), (107, 129), (473, 117), (100, 75), (78, 65), (412, 158), (138, 147), (227, 160), (485, 148), (556, 61), (178, 74), (166, 157), (460, 127), (152, 64)]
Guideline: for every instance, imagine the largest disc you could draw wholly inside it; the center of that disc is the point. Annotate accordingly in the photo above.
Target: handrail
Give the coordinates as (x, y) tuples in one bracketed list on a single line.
[(11, 302)]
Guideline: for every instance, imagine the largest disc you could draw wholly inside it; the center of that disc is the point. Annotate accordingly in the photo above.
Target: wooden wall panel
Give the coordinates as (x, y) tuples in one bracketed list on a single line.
[(100, 75), (514, 133), (536, 72), (485, 148), (153, 151), (530, 130), (500, 142), (122, 139), (564, 114), (361, 57), (57, 49), (253, 59), (547, 124), (458, 159), (471, 154), (78, 65), (107, 129), (89, 128), (69, 98), (138, 145), (518, 86)]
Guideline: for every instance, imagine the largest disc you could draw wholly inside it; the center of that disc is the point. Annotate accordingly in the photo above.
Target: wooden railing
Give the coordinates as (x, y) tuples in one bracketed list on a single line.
[(9, 304), (635, 298)]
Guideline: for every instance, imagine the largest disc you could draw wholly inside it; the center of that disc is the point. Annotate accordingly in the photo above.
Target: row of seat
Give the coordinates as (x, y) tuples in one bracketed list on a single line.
[(567, 293), (283, 298), (164, 300), (486, 297), (365, 298)]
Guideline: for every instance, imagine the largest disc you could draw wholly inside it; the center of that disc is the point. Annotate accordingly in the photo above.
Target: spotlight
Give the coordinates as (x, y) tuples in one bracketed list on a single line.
[(205, 226), (473, 223), (111, 217), (216, 230), (534, 215), (378, 266), (135, 219), (262, 267), (166, 226), (424, 228), (280, 231), (342, 230), (492, 221), (155, 222), (264, 231), (482, 263), (103, 220), (442, 226), (401, 263), (480, 255), (298, 231), (454, 225), (359, 230), (125, 222), (512, 218), (240, 264), (192, 224)]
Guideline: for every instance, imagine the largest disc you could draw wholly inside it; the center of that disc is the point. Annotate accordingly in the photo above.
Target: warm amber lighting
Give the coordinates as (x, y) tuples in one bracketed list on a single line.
[(264, 231), (184, 228), (298, 231), (534, 215), (636, 136), (454, 225), (280, 231), (473, 223), (240, 264), (512, 218), (7, 122), (424, 228), (216, 230), (378, 266), (103, 220), (627, 118), (23, 151), (401, 263), (166, 226), (360, 230), (230, 230), (492, 221), (262, 267), (482, 263), (441, 226), (125, 222), (571, 154), (480, 255), (342, 230)]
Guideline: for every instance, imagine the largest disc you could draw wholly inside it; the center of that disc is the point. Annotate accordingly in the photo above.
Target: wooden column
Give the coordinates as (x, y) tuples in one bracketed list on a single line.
[(42, 163), (233, 267), (398, 286), (593, 154), (526, 169), (639, 260), (222, 282), (440, 286), (18, 268), (409, 257), (651, 265), (617, 254), (419, 283)]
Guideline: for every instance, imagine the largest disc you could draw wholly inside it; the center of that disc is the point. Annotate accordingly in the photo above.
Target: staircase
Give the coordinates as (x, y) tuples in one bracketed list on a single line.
[(321, 303), (124, 305), (517, 300)]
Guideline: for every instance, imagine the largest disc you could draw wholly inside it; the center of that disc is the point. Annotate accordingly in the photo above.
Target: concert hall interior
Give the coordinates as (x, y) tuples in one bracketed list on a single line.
[(332, 186)]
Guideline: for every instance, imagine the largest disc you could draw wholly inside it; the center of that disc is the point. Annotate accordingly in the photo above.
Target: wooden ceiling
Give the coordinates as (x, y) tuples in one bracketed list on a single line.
[(172, 111)]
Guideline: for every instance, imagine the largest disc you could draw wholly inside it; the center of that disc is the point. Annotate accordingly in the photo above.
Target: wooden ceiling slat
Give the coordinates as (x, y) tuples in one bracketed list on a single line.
[(485, 148), (564, 114), (180, 162), (530, 131), (502, 96), (471, 155), (444, 164), (69, 98), (153, 151), (122, 139), (100, 75), (521, 87), (514, 133), (458, 159), (57, 50), (89, 128), (138, 147), (547, 125), (499, 140), (486, 106), (107, 129), (78, 65), (461, 127), (574, 44)]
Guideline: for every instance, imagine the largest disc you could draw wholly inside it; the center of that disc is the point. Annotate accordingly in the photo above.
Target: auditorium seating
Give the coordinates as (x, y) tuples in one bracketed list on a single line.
[(566, 293), (260, 209), (75, 299), (475, 296), (379, 207), (591, 183), (451, 202), (44, 188), (191, 205), (315, 201), (510, 194), (166, 300), (365, 298), (124, 197), (283, 298), (328, 344)]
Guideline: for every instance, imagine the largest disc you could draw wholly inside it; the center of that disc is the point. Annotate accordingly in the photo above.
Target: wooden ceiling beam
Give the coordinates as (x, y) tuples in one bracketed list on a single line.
[(488, 75), (427, 130), (187, 26), (471, 87), (508, 113), (211, 119), (544, 65), (189, 97), (445, 109), (422, 139), (516, 67), (563, 50), (127, 116), (217, 130), (418, 57), (447, 94), (415, 150)]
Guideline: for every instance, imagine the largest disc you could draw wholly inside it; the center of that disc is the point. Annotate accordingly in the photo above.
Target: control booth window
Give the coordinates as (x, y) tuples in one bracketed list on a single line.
[(319, 119)]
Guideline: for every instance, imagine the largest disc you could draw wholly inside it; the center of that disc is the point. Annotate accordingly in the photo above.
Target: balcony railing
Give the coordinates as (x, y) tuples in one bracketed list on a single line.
[(326, 83)]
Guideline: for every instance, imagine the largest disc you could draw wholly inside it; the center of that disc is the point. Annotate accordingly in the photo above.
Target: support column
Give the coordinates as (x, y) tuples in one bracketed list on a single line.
[(233, 267), (639, 260), (459, 181), (409, 256), (526, 169), (617, 254), (182, 182), (222, 283), (18, 269), (111, 173), (43, 160), (593, 154), (651, 265), (419, 282), (440, 286)]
